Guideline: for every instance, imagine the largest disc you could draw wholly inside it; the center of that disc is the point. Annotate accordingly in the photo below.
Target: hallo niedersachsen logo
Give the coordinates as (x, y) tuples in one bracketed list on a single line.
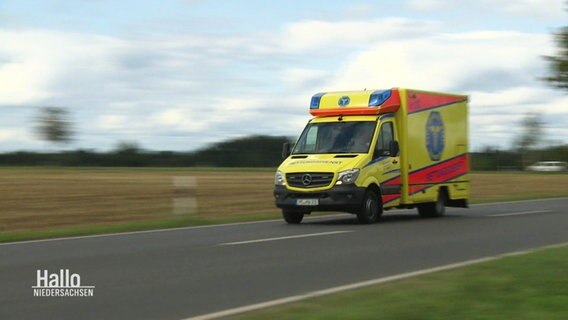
[(61, 284)]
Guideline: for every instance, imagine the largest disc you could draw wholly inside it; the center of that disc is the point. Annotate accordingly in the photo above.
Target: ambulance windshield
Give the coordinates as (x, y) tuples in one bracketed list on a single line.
[(336, 137)]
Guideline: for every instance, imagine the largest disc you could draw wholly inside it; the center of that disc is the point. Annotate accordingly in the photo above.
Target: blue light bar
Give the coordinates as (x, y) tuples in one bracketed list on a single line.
[(315, 103), (379, 97)]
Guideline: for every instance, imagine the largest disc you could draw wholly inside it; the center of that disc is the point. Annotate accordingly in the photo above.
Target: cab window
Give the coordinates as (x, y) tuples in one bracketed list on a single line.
[(386, 135), (311, 139)]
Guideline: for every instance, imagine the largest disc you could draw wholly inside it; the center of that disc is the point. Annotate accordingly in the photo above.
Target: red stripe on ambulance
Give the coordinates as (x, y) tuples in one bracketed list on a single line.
[(441, 172), (418, 101)]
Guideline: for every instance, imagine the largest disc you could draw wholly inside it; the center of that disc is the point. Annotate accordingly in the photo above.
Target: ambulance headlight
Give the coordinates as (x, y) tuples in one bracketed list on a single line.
[(347, 176), (279, 179)]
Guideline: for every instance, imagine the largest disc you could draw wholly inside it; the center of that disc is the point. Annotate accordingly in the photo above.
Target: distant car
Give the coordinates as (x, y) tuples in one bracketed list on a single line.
[(548, 166)]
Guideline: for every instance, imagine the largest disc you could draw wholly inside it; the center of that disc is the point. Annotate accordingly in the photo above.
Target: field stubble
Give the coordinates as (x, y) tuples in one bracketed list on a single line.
[(41, 199)]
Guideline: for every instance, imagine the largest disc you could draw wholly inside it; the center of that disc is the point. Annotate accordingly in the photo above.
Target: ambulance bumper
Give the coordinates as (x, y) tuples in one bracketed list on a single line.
[(346, 198)]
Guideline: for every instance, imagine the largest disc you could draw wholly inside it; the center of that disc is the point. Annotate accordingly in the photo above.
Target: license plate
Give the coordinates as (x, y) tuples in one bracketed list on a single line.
[(307, 202)]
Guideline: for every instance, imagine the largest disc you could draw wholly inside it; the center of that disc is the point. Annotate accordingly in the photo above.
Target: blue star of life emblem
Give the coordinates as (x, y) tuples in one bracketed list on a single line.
[(435, 140), (343, 101)]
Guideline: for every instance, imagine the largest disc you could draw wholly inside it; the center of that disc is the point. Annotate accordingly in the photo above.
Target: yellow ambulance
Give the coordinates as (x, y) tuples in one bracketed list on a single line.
[(364, 152)]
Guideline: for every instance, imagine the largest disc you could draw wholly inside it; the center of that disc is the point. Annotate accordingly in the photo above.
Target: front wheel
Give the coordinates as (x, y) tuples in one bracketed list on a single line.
[(292, 217), (371, 208)]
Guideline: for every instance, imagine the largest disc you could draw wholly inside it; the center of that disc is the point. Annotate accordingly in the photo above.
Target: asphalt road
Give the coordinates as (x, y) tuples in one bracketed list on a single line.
[(182, 273)]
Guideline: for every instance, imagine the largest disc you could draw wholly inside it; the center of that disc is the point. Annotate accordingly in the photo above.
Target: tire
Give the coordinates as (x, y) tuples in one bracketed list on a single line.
[(292, 217), (434, 209), (371, 208)]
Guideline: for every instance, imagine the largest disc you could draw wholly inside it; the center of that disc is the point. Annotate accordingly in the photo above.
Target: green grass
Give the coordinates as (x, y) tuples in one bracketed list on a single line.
[(11, 236), (529, 286), (190, 221)]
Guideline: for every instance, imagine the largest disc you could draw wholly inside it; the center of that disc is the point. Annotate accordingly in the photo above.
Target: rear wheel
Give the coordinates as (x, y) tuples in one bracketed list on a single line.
[(292, 217), (371, 208), (434, 209)]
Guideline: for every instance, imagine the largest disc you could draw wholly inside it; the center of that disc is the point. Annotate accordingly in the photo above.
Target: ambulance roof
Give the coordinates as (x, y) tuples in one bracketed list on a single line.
[(367, 102)]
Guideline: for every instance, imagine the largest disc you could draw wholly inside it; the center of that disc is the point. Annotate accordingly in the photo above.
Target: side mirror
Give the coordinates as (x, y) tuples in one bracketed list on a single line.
[(394, 148), (286, 150)]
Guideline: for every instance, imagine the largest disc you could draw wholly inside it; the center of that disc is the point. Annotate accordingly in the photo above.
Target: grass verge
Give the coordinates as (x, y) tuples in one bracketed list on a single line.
[(528, 286), (192, 221)]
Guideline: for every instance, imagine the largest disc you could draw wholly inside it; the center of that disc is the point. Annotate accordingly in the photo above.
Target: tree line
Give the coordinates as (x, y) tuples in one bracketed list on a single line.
[(252, 151), (492, 159)]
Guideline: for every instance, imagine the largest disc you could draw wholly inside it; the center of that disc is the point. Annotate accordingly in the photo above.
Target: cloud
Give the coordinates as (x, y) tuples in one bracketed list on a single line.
[(311, 35), (11, 134), (36, 60), (450, 62), (182, 91), (24, 74), (542, 9), (112, 122), (13, 138), (539, 9), (427, 5), (181, 119), (302, 77)]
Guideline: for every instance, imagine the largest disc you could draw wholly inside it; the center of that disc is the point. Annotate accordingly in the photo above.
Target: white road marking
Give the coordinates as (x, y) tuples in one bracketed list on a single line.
[(285, 238), (319, 293), (128, 233), (519, 213), (208, 226)]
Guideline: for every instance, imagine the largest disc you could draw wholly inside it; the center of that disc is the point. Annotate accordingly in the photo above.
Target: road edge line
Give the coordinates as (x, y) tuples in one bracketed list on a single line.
[(357, 285), (518, 213), (295, 236)]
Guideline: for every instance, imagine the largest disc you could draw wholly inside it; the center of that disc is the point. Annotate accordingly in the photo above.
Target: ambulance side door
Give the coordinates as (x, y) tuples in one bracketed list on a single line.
[(387, 156)]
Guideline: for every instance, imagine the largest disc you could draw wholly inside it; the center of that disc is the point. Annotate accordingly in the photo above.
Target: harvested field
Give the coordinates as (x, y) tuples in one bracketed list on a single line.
[(47, 198)]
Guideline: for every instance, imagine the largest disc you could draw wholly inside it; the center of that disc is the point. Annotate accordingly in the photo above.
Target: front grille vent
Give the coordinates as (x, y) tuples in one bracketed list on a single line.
[(309, 179)]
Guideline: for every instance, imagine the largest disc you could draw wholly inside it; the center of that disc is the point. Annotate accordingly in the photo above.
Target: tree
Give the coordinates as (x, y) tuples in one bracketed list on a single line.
[(129, 154), (53, 125), (558, 64), (531, 134), (127, 147)]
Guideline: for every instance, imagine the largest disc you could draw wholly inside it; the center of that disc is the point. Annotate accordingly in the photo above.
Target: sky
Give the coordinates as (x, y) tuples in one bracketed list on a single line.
[(181, 74)]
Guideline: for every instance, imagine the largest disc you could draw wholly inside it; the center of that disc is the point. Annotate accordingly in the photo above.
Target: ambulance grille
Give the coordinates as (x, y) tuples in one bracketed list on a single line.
[(309, 179)]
